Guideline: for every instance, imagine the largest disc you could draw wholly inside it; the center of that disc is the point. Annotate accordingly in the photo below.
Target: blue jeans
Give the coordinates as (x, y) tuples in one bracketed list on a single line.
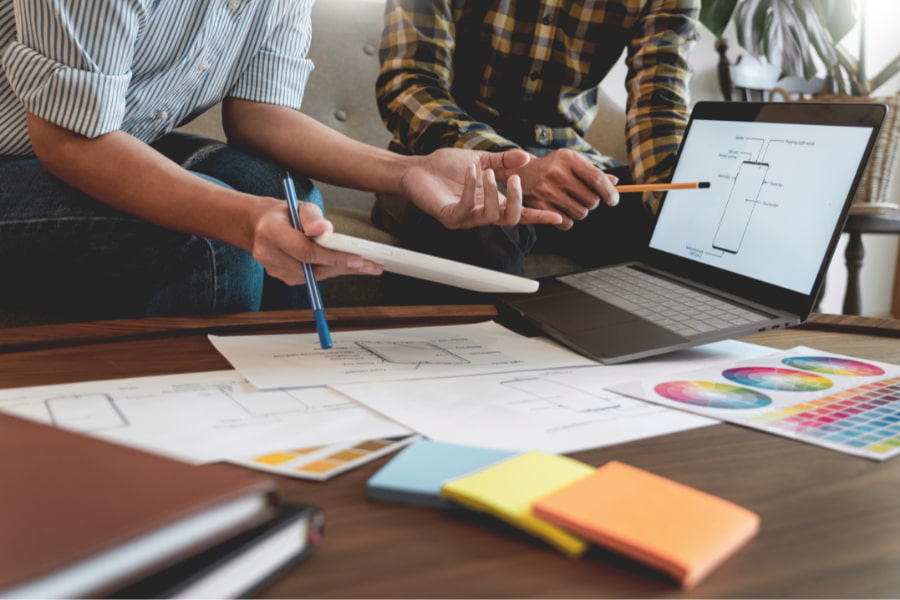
[(63, 252)]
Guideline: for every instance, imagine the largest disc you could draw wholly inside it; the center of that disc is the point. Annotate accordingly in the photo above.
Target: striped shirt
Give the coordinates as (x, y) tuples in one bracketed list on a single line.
[(497, 74), (144, 66)]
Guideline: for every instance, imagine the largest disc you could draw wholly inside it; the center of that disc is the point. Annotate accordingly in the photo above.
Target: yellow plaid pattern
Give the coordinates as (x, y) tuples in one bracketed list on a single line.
[(538, 66)]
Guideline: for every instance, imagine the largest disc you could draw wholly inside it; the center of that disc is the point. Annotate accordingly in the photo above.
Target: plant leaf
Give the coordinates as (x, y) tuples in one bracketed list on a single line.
[(849, 69), (789, 48), (886, 73), (819, 37), (715, 15), (789, 34), (838, 17), (751, 25)]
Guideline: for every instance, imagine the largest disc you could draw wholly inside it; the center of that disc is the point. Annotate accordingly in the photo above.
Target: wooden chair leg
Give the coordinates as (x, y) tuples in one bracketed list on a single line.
[(854, 259), (724, 69)]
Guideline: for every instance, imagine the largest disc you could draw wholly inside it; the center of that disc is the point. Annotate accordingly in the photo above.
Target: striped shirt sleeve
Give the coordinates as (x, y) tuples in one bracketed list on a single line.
[(63, 72), (279, 71)]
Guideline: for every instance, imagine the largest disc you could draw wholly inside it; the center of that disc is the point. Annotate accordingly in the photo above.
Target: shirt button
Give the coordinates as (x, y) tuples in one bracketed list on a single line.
[(542, 133), (161, 115), (548, 18), (234, 4), (202, 66), (534, 75)]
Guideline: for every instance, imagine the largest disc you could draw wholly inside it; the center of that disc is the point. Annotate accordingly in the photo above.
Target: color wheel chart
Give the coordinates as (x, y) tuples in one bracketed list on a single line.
[(838, 402), (712, 395)]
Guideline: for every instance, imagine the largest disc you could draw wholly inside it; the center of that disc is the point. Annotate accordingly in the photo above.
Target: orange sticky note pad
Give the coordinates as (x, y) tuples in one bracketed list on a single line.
[(677, 529)]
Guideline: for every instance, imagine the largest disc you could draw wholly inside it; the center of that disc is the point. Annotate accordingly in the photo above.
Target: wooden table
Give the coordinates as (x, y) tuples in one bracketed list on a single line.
[(830, 521)]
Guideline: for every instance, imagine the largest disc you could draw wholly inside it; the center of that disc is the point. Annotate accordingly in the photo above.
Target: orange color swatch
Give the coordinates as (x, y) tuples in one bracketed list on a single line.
[(677, 529)]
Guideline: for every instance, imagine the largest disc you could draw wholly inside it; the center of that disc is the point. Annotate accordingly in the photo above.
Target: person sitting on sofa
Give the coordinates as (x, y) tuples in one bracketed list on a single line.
[(107, 212), (495, 75)]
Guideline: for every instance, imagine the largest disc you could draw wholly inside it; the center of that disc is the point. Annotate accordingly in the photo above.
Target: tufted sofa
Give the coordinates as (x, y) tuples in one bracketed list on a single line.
[(341, 95)]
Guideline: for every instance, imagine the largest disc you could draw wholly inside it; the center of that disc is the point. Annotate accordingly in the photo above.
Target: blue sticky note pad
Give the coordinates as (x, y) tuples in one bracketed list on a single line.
[(417, 473)]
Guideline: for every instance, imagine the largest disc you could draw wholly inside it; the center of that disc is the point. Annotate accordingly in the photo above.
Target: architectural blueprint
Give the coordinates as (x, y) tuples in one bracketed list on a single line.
[(283, 361), (199, 417), (555, 410)]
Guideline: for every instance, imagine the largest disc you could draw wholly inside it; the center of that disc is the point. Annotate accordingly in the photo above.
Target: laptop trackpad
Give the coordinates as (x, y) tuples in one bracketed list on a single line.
[(623, 339), (597, 328), (572, 311)]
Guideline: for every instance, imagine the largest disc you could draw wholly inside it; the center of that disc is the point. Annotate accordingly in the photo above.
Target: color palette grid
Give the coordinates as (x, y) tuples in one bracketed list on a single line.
[(838, 402), (865, 417), (323, 462)]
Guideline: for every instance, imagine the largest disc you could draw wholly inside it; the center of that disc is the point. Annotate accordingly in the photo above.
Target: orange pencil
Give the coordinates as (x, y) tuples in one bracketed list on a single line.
[(656, 187)]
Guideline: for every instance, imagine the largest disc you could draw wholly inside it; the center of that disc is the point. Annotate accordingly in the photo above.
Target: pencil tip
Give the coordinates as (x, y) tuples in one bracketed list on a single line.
[(703, 184)]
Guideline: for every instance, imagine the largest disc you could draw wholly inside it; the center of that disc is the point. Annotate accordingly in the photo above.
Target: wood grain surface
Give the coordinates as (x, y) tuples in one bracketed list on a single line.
[(830, 521)]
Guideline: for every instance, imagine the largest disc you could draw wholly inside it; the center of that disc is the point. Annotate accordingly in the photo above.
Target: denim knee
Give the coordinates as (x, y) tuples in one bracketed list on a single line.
[(235, 166), (241, 291), (216, 278)]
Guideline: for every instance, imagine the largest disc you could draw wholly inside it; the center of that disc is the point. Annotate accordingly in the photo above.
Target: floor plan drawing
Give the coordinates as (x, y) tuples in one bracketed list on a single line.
[(554, 410), (90, 412), (541, 394), (412, 353), (199, 417), (297, 360)]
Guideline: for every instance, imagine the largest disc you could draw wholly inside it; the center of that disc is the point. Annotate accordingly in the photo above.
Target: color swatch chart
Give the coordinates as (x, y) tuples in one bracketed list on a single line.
[(840, 402), (320, 463)]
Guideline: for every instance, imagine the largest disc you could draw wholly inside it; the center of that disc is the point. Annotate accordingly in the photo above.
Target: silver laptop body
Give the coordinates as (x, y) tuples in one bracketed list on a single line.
[(745, 255)]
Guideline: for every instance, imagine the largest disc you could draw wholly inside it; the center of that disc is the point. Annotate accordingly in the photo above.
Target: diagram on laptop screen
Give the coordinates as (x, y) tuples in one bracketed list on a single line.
[(742, 201), (777, 193)]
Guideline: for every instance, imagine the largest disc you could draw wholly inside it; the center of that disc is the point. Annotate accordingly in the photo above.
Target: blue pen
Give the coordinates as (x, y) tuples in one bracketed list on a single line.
[(312, 288)]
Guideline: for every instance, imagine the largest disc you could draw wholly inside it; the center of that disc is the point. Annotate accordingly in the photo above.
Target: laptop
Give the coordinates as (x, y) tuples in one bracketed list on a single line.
[(752, 248)]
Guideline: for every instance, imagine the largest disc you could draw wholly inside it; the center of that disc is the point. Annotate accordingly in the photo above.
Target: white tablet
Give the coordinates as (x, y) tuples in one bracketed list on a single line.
[(430, 268)]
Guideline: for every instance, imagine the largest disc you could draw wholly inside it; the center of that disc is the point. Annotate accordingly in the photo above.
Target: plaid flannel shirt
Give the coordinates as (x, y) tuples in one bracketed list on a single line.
[(499, 74)]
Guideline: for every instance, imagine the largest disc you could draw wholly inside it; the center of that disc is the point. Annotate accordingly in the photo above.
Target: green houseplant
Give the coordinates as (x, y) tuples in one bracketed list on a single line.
[(800, 38)]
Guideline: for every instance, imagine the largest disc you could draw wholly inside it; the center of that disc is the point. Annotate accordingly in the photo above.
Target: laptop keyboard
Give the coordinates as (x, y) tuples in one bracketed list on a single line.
[(665, 303)]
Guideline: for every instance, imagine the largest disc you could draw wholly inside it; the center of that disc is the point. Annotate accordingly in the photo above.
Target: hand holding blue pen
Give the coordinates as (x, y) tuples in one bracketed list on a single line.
[(312, 287)]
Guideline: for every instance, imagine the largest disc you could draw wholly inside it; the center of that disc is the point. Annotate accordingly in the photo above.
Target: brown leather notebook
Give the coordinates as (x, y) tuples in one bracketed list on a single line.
[(82, 517)]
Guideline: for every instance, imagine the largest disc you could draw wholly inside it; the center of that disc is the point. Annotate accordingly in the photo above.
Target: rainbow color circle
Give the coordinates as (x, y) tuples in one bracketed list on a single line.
[(773, 378), (833, 366), (712, 395)]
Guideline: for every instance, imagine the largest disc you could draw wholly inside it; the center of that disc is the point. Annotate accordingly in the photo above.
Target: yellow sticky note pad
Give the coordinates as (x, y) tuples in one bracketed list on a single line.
[(672, 527), (507, 490)]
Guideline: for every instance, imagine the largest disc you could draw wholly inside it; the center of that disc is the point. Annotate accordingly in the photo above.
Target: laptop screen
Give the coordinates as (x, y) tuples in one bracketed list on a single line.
[(777, 196)]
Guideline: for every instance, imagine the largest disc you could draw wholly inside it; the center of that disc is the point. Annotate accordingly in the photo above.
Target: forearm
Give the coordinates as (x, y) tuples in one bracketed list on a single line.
[(132, 177), (455, 186), (301, 142), (657, 83)]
